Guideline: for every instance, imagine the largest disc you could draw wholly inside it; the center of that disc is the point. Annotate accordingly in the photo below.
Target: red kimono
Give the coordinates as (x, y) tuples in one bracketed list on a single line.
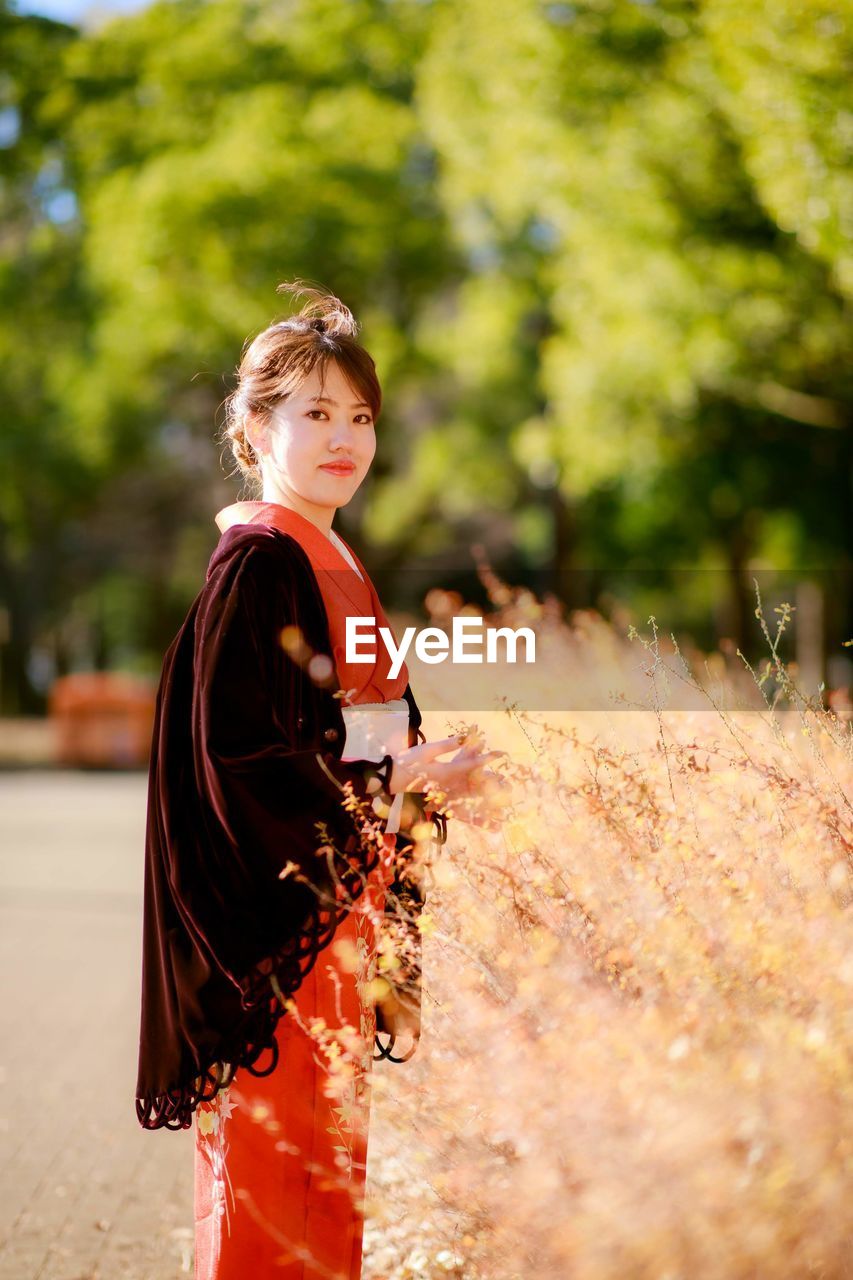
[(280, 1150), (281, 1160)]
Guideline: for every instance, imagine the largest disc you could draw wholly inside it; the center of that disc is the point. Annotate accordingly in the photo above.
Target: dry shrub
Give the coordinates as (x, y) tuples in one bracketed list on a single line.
[(636, 1055)]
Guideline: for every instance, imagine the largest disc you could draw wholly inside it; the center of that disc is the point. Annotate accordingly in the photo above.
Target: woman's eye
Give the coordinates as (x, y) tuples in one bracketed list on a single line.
[(367, 417)]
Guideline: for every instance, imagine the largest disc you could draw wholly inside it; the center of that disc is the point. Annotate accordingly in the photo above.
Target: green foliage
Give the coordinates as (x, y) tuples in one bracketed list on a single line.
[(600, 251)]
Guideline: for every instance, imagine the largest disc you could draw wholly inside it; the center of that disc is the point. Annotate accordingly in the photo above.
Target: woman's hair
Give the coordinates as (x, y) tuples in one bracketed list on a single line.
[(276, 362)]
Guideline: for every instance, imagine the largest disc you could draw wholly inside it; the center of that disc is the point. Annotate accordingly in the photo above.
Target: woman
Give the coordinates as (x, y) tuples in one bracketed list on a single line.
[(276, 837)]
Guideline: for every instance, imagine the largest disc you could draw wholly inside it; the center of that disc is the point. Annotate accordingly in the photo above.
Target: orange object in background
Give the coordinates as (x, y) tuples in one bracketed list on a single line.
[(102, 718)]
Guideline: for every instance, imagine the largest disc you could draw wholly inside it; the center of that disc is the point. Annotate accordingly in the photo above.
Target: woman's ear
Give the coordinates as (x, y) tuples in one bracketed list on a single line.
[(257, 433)]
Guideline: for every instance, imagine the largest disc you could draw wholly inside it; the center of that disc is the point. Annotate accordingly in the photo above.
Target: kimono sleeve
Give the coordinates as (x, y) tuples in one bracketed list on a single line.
[(268, 805)]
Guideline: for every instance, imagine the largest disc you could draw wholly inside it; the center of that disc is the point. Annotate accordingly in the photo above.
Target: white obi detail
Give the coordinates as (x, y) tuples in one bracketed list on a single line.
[(375, 729)]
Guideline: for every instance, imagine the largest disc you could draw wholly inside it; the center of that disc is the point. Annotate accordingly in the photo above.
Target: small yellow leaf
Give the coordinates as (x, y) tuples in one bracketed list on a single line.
[(426, 923), (377, 989)]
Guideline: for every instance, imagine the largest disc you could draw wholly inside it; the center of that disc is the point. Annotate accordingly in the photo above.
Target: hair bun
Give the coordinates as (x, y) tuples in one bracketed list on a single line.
[(322, 311)]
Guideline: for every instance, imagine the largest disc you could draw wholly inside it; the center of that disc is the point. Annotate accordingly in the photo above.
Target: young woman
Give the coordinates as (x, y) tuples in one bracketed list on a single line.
[(278, 843)]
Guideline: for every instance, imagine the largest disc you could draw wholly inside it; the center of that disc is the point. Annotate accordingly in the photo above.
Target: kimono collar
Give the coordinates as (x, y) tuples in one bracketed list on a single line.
[(344, 595)]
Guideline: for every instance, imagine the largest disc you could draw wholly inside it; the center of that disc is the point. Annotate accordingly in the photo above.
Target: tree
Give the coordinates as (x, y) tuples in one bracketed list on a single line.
[(696, 355)]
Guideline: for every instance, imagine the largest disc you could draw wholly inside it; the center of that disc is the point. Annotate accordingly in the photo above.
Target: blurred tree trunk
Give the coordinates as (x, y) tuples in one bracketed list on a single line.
[(847, 531), (563, 578), (17, 695), (740, 597)]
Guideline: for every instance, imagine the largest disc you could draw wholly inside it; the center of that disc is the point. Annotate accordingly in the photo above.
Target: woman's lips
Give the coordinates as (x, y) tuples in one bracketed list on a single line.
[(338, 468)]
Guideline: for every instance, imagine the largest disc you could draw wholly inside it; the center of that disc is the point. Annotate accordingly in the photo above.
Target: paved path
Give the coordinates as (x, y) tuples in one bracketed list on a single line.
[(86, 1193)]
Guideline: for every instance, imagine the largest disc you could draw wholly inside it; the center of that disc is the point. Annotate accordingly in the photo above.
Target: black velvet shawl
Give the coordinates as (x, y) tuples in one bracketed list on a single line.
[(245, 764)]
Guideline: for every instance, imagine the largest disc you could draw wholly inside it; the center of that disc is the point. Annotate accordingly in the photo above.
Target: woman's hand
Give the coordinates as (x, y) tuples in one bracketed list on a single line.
[(460, 779)]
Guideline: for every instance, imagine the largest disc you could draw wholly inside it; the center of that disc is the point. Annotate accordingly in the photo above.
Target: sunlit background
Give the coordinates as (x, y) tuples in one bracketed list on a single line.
[(599, 251)]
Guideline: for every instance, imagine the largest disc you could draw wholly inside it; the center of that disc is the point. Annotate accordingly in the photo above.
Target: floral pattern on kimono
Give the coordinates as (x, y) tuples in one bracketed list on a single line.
[(354, 1106), (211, 1123)]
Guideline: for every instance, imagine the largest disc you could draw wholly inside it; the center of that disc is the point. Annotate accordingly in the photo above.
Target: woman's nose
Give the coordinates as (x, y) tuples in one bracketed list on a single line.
[(343, 435)]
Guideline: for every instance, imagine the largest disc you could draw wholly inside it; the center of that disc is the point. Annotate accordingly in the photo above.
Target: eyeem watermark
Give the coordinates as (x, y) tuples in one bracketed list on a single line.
[(432, 644)]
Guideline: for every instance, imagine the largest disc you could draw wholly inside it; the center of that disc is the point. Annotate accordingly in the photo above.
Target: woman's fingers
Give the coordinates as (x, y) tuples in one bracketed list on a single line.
[(461, 775), (473, 761), (427, 750), (457, 775)]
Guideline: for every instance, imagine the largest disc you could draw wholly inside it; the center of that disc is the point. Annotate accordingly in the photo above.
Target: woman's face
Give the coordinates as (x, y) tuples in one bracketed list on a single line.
[(308, 434)]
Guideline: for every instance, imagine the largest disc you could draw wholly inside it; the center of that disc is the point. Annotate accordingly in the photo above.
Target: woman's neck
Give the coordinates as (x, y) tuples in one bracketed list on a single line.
[(322, 517)]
